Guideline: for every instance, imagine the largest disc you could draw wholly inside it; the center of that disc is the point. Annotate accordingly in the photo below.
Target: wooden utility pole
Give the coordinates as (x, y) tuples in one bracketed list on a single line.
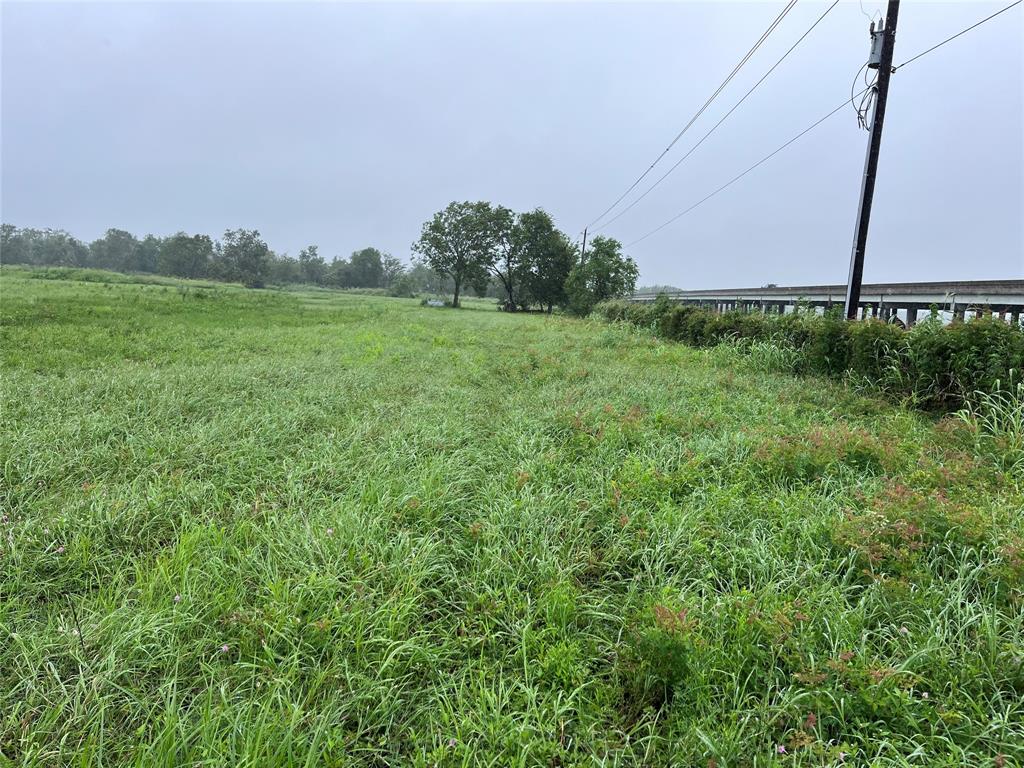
[(867, 189), (583, 249)]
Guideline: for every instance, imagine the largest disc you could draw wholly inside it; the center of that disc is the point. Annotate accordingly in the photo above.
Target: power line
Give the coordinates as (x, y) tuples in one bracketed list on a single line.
[(724, 118), (954, 37), (732, 181), (736, 69), (811, 127)]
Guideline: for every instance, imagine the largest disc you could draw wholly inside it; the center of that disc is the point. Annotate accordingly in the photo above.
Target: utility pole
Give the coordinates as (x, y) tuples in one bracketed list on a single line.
[(867, 189), (583, 249)]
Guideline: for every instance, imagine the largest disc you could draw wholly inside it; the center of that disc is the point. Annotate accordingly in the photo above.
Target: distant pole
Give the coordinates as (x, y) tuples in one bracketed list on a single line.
[(583, 248), (867, 189)]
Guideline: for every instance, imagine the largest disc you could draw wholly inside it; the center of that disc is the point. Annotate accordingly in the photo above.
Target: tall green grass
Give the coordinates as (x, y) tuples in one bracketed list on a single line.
[(932, 365), (261, 528)]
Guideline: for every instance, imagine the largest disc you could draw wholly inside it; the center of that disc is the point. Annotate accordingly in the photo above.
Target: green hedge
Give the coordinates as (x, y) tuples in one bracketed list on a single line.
[(939, 365)]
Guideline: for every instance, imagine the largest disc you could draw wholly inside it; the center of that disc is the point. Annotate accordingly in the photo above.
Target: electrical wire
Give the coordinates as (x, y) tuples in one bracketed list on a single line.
[(736, 178), (811, 127), (954, 37), (854, 85), (724, 118), (728, 79)]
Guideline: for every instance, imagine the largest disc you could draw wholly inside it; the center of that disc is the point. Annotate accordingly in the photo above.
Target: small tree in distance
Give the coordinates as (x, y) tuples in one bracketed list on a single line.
[(459, 242), (312, 268)]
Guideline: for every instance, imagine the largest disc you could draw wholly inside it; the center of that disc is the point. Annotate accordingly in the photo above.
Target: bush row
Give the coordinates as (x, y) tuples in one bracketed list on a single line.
[(936, 364)]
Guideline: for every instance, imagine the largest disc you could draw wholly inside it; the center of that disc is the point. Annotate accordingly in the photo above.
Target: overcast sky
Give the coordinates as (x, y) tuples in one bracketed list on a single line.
[(348, 125)]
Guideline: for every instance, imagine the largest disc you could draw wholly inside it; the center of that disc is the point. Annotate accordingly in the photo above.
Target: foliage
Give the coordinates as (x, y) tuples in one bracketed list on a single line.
[(241, 257), (116, 250), (46, 247), (605, 273), (188, 256), (548, 258), (366, 269), (312, 268), (936, 365), (459, 242)]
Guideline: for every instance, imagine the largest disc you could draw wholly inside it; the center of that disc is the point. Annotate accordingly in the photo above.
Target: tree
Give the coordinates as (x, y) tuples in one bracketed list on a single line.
[(606, 274), (403, 286), (14, 245), (508, 261), (312, 268), (116, 250), (547, 258), (366, 269), (338, 273), (245, 257), (147, 254), (284, 269), (459, 242), (426, 280), (393, 269), (183, 255)]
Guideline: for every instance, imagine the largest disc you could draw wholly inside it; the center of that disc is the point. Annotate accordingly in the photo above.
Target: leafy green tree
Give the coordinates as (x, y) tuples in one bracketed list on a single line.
[(147, 254), (394, 269), (45, 247), (184, 255), (403, 286), (508, 262), (116, 250), (459, 242), (312, 268), (15, 247), (426, 280), (339, 273), (284, 269), (245, 257), (366, 269), (605, 274), (56, 247), (547, 257)]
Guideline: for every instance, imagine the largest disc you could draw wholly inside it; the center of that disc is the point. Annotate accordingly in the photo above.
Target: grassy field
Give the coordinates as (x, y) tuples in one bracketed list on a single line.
[(260, 529)]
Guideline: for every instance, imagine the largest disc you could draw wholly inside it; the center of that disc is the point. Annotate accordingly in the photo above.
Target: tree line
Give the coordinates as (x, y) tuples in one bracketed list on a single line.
[(241, 256), (533, 263), (521, 259)]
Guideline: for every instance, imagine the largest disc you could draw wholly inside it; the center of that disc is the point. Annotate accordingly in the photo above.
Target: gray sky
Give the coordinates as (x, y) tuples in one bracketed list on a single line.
[(348, 125)]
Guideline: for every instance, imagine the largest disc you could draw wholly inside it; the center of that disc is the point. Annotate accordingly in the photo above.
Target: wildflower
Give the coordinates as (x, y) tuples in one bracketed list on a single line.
[(452, 743), (904, 631), (224, 648), (75, 632), (330, 532), (842, 756), (177, 598), (781, 749), (924, 695), (60, 550)]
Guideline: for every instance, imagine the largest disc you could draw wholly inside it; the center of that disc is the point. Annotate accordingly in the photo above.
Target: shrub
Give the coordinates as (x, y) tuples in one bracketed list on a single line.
[(935, 365), (673, 322), (875, 347), (828, 347)]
